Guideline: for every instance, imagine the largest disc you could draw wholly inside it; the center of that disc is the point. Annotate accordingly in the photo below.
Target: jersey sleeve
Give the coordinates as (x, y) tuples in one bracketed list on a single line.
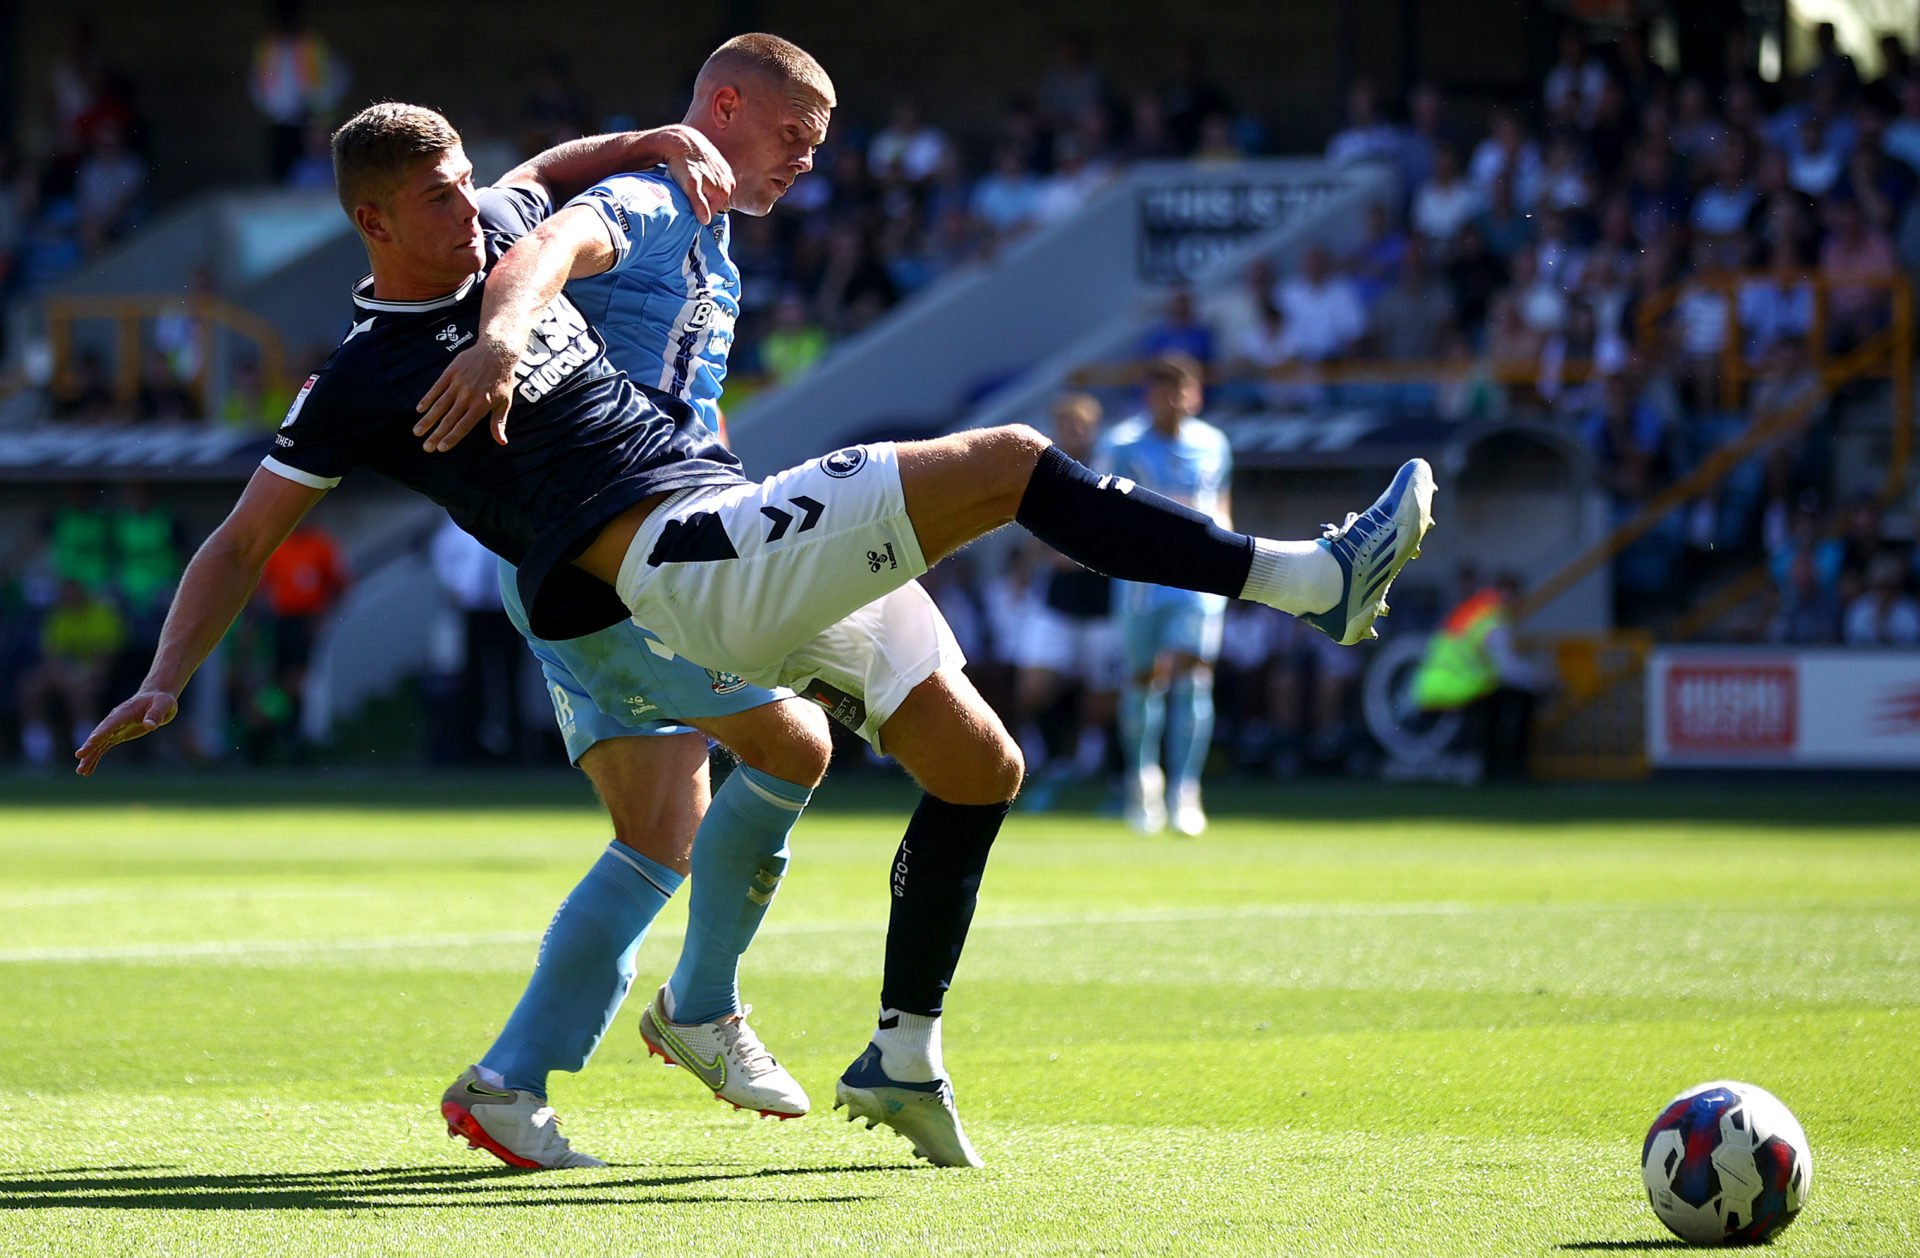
[(318, 442), (510, 211), (645, 216)]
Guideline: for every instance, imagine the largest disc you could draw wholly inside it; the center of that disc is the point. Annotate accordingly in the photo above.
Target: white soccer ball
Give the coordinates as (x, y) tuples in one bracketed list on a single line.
[(1726, 1163)]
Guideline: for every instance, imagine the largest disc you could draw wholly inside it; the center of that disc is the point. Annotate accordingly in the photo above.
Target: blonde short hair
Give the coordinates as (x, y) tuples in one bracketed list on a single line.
[(777, 59), (374, 149)]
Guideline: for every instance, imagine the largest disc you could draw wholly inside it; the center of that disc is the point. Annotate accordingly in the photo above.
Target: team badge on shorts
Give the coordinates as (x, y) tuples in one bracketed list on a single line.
[(725, 683), (844, 463)]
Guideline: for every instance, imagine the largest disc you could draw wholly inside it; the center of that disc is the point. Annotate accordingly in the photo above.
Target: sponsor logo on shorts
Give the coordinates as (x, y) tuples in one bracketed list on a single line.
[(725, 683), (878, 559), (844, 463)]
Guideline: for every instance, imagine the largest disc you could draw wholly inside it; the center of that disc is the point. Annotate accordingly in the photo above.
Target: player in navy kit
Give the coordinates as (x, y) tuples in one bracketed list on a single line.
[(613, 500)]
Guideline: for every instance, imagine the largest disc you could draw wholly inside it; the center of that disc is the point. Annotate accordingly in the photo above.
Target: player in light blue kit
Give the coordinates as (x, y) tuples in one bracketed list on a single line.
[(666, 306), (1170, 638)]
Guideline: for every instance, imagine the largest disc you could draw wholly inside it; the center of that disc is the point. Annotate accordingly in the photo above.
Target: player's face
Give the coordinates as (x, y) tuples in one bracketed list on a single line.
[(435, 220), (774, 140)]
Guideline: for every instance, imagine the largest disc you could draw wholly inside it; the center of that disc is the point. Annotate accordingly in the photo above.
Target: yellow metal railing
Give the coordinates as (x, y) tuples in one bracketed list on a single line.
[(132, 313)]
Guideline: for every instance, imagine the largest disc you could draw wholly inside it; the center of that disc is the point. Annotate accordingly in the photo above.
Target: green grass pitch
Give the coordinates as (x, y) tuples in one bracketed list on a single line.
[(1345, 1022)]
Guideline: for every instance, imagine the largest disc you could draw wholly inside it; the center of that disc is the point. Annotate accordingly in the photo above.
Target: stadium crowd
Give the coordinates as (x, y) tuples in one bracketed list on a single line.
[(1514, 273)]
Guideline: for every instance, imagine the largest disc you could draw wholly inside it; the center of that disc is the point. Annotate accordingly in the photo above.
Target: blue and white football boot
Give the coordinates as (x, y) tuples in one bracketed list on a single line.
[(1371, 548), (922, 1112)]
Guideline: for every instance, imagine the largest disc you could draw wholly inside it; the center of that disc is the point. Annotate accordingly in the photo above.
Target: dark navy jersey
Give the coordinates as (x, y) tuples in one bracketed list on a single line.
[(584, 443)]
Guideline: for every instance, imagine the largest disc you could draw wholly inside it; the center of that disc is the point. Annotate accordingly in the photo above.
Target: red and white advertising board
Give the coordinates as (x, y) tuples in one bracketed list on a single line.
[(1758, 707)]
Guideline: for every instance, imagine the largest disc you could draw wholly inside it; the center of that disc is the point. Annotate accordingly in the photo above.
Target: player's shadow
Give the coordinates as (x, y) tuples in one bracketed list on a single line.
[(133, 1187), (1665, 1242)]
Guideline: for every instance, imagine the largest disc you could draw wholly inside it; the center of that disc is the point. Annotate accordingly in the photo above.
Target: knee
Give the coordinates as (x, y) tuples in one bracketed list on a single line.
[(989, 771), (796, 748)]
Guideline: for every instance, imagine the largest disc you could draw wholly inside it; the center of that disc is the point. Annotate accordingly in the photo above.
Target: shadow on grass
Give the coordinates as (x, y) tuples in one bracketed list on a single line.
[(1669, 1242), (388, 1188)]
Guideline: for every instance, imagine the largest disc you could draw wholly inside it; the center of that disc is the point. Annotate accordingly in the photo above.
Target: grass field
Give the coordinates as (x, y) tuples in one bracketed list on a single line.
[(1344, 1022)]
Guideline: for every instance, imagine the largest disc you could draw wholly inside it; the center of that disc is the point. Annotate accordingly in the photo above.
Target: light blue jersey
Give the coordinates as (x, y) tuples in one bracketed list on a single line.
[(668, 305), (1194, 467)]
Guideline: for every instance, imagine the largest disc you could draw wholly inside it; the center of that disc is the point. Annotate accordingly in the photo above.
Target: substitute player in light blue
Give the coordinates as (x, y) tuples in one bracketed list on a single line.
[(1170, 638)]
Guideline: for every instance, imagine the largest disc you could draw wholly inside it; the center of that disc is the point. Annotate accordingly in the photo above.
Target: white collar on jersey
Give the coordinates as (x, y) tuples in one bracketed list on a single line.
[(363, 297)]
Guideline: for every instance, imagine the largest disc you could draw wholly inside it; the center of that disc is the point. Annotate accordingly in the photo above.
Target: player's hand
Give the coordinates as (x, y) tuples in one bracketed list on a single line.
[(477, 384), (136, 718), (700, 171)]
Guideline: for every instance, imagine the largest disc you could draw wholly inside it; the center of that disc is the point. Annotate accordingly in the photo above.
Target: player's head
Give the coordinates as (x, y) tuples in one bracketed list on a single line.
[(1076, 422), (765, 104), (405, 181), (1173, 388)]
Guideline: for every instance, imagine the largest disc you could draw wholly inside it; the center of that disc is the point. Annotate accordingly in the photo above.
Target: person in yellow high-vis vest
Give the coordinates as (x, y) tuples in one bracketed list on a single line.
[(1471, 665)]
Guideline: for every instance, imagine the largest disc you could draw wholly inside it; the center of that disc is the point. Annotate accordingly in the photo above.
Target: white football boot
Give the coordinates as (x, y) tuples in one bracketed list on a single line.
[(1371, 548), (922, 1112), (1189, 818), (514, 1125), (1146, 799), (727, 1057)]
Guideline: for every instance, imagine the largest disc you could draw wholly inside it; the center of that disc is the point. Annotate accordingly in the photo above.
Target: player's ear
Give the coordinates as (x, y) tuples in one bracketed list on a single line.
[(726, 104), (372, 222)]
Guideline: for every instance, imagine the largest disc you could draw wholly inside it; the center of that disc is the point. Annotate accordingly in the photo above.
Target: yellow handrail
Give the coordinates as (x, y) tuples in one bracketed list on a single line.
[(129, 311)]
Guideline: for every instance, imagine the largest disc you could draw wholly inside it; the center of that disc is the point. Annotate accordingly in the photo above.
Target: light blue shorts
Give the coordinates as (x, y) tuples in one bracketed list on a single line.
[(1168, 620), (623, 681)]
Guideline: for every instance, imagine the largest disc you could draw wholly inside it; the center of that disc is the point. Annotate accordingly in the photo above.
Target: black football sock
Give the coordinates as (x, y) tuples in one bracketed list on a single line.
[(1114, 526), (936, 881)]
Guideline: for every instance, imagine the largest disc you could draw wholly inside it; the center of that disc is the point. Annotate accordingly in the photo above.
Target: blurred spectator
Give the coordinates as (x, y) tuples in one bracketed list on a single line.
[(1697, 135), (1830, 65), (1574, 84), (1502, 225), (106, 189), (1565, 183), (1507, 151), (1149, 135), (908, 142), (794, 344), (1776, 304), (1218, 146), (1902, 136), (1806, 578), (1883, 187), (1576, 360), (1655, 191), (1075, 177), (1268, 344), (1884, 614), (488, 697), (147, 544), (558, 109), (1071, 85), (1178, 330), (1411, 319), (1475, 275), (1194, 96), (250, 399), (80, 541), (1814, 165), (855, 289), (1323, 307), (161, 397), (79, 638), (1447, 202), (1235, 314), (1471, 665), (299, 586), (1643, 79), (1426, 134), (1375, 261), (1854, 253), (297, 79), (1367, 137), (1723, 206), (1007, 198), (88, 395), (1540, 303)]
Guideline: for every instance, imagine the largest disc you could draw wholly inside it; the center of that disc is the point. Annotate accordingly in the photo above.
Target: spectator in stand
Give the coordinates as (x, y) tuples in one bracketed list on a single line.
[(1883, 187), (312, 171), (1072, 85), (1412, 319), (1267, 344), (147, 543), (1576, 360), (1855, 253), (1540, 302), (87, 397), (1560, 257), (106, 189), (1643, 79), (1235, 314), (1475, 275), (1697, 135), (1610, 136), (1896, 71), (1149, 135), (1703, 319), (1655, 191), (1075, 178), (1806, 580), (1507, 151), (1780, 208), (855, 288), (1178, 331), (491, 650), (1565, 183), (80, 541), (1368, 136), (297, 79), (1446, 203), (1814, 165), (1323, 307), (162, 398), (1007, 198), (1375, 261), (1858, 528), (1193, 97), (1219, 146), (300, 584), (79, 638), (1830, 65), (1778, 304), (1788, 382), (916, 146), (1502, 225), (1902, 136), (794, 344), (1723, 207), (1883, 614), (1425, 136), (1572, 91)]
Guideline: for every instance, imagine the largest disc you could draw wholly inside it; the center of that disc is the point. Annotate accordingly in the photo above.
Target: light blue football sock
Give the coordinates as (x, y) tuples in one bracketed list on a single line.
[(1189, 727), (739, 857), (584, 969), (1143, 716)]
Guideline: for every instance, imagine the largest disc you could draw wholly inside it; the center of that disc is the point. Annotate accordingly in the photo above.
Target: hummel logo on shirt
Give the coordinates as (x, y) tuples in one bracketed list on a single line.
[(877, 560)]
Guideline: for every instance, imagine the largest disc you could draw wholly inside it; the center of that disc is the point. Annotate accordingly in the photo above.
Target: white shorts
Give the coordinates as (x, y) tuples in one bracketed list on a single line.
[(740, 577), (1084, 648), (862, 668)]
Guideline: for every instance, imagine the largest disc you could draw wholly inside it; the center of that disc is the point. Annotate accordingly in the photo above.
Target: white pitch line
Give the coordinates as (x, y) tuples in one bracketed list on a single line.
[(61, 897), (242, 949)]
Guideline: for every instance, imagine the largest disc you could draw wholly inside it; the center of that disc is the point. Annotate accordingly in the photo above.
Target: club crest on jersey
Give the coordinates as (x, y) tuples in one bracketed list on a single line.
[(725, 683), (844, 463), (452, 337)]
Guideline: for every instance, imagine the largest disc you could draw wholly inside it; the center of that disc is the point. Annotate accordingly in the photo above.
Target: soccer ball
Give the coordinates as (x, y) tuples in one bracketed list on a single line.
[(1726, 1163)]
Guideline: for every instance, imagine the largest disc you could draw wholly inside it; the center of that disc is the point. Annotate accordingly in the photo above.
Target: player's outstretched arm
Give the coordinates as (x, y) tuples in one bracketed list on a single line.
[(564, 171), (215, 586), (479, 381)]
